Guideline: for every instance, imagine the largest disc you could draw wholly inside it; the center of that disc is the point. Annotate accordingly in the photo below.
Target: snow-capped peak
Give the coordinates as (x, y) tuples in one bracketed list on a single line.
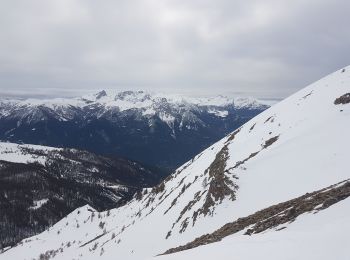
[(137, 99), (105, 102), (140, 96)]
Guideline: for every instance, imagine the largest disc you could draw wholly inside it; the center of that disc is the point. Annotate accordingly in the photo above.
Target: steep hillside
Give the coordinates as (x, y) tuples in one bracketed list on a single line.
[(39, 185), (285, 170), (154, 129)]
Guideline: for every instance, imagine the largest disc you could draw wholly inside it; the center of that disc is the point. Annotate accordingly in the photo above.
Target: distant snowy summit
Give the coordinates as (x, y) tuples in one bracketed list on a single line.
[(158, 129), (143, 99), (147, 103)]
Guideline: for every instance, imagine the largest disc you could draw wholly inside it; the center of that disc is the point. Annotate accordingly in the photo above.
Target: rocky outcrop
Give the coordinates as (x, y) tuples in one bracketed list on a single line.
[(276, 215), (344, 99)]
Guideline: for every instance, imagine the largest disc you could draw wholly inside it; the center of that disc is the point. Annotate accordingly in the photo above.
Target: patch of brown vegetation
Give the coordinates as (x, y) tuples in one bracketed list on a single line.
[(138, 195), (270, 118), (304, 97), (270, 141), (184, 225), (150, 200), (171, 206), (233, 135), (188, 207), (169, 178), (161, 198), (264, 146), (252, 127), (159, 188), (220, 186), (275, 215), (184, 187), (92, 240), (344, 99), (246, 159), (168, 235)]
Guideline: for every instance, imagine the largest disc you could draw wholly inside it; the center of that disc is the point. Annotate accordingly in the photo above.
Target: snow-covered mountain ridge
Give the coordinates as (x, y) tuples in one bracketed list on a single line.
[(155, 129), (149, 104), (288, 155)]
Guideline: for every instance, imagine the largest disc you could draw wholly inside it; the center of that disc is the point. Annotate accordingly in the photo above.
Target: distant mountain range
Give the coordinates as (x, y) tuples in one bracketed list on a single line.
[(155, 129)]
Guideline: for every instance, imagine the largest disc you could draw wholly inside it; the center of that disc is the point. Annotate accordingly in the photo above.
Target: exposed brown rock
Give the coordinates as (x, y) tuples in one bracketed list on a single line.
[(276, 215), (246, 159), (184, 225), (188, 207), (184, 187), (270, 141), (159, 188), (270, 118), (252, 127), (150, 200), (138, 195), (220, 186), (233, 135), (265, 145), (168, 235), (304, 97), (344, 99)]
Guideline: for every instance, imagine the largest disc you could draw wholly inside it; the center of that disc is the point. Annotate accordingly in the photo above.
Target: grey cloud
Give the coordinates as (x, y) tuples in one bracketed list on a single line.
[(264, 49)]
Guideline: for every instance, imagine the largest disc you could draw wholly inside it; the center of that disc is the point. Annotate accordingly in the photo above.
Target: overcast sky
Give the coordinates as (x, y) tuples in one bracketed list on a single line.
[(247, 48)]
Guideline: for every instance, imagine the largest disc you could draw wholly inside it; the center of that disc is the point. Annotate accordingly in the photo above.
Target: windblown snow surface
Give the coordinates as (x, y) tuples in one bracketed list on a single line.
[(298, 146)]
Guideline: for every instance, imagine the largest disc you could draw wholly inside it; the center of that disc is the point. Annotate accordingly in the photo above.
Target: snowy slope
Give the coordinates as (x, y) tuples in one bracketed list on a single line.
[(19, 153), (296, 147), (320, 236)]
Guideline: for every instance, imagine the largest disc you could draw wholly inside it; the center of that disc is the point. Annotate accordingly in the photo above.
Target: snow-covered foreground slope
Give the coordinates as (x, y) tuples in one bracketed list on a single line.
[(298, 146), (320, 236)]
